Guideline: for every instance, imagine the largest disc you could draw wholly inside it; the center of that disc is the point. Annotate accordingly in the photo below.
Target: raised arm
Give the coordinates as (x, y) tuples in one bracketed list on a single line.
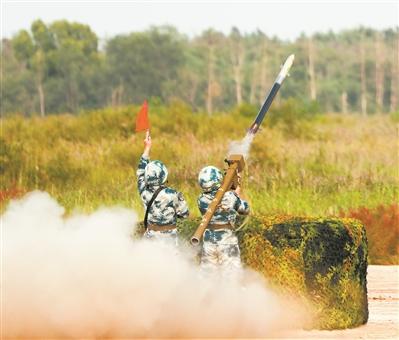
[(144, 160)]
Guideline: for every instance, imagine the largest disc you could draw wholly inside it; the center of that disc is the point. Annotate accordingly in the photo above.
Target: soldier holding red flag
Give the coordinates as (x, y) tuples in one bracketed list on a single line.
[(163, 204)]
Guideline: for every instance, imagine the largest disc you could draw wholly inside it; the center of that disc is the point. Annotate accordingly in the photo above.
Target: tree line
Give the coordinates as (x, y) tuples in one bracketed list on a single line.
[(64, 67)]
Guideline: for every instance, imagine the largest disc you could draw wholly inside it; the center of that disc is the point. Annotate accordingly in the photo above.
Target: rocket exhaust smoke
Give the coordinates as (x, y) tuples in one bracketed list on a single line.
[(241, 147), (85, 276)]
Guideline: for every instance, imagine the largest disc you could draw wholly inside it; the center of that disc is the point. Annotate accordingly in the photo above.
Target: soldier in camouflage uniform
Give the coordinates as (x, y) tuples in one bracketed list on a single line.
[(168, 205), (220, 244)]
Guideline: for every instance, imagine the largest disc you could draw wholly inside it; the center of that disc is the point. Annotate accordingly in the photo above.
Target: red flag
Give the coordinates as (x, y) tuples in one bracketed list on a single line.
[(142, 121)]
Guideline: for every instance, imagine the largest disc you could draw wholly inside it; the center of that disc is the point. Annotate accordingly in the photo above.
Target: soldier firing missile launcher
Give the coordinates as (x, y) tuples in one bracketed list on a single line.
[(236, 163)]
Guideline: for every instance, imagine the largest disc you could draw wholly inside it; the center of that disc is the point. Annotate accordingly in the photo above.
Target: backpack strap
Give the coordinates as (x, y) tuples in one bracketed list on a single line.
[(154, 196)]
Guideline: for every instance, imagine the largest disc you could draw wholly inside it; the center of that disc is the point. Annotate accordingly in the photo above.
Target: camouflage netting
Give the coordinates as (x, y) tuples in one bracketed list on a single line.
[(323, 261)]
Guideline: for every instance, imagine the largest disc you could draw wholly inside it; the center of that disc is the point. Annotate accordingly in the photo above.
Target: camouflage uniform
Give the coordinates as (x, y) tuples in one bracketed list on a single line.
[(169, 204), (220, 247)]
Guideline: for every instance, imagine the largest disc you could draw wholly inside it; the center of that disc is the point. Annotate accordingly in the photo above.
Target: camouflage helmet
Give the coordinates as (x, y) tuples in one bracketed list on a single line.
[(155, 173), (210, 178)]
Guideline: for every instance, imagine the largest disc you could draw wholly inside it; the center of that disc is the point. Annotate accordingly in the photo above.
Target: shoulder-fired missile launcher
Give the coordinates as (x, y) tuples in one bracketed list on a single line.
[(236, 162)]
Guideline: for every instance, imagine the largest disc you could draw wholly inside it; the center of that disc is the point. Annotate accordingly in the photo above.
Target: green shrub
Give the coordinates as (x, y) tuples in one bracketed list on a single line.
[(321, 260), (246, 110), (395, 116), (61, 170), (293, 116)]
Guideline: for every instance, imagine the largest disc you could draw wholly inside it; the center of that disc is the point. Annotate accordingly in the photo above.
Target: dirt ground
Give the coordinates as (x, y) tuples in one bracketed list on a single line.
[(383, 296)]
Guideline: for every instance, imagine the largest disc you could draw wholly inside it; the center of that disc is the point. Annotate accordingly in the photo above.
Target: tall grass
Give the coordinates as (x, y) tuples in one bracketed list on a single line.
[(331, 162), (301, 164)]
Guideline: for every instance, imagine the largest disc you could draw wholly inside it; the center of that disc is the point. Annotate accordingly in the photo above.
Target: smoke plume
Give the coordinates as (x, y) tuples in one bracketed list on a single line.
[(85, 276), (241, 147)]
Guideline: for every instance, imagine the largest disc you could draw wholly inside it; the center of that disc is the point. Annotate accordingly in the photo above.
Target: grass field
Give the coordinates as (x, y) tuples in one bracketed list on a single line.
[(313, 165)]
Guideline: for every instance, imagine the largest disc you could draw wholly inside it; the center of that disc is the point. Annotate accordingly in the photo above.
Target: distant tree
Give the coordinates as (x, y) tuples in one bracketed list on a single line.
[(237, 54), (311, 72), (32, 49), (210, 40), (18, 83), (255, 42), (264, 80), (63, 58), (58, 67), (189, 82), (395, 72), (363, 91), (379, 72), (75, 55), (140, 64)]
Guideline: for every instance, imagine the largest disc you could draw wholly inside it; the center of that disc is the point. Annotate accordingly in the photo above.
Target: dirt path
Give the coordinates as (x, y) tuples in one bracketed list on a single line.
[(383, 296)]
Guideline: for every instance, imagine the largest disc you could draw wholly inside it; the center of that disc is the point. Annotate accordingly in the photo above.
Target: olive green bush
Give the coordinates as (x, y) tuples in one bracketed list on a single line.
[(323, 261)]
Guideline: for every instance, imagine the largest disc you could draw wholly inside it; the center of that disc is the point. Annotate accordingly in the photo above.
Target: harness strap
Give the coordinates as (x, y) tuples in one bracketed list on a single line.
[(154, 196), (220, 226)]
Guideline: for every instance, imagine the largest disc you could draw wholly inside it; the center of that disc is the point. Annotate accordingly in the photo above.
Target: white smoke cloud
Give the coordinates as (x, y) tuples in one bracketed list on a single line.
[(241, 147), (85, 276)]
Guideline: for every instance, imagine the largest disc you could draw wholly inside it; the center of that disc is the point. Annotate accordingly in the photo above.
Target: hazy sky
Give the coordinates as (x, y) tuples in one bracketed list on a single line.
[(285, 19)]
